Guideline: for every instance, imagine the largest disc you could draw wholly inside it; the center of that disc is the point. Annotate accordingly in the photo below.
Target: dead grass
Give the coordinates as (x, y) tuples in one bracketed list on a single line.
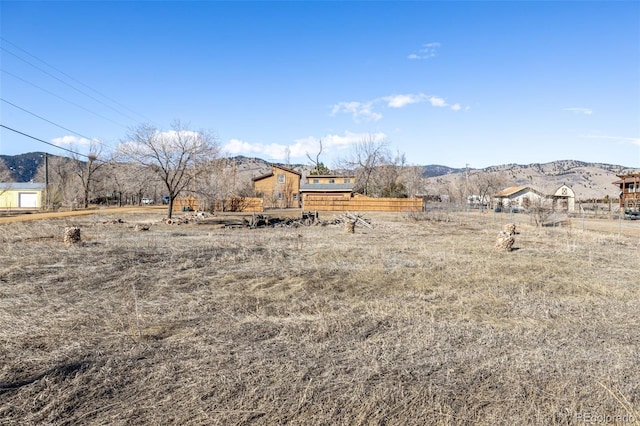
[(413, 322)]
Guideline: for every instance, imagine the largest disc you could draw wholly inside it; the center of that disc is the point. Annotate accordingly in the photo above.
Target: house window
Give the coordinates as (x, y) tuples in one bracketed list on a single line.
[(295, 196), (332, 181), (281, 178), (280, 196), (347, 180), (316, 181)]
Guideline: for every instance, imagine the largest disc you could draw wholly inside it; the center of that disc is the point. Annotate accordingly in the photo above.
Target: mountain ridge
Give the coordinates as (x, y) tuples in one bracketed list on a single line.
[(589, 180)]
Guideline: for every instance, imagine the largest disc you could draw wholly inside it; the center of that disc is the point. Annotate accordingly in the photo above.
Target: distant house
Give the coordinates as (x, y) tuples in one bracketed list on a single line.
[(21, 195), (519, 197), (629, 190), (278, 189), (320, 186)]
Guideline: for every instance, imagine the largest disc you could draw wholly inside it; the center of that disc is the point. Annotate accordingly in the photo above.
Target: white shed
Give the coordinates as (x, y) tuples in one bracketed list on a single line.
[(564, 199)]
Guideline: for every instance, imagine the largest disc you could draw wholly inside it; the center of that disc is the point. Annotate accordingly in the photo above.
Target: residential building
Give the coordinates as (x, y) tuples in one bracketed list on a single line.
[(279, 189)]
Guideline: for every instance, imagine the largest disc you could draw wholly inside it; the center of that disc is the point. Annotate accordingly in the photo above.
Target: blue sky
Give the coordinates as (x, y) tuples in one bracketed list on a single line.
[(452, 83)]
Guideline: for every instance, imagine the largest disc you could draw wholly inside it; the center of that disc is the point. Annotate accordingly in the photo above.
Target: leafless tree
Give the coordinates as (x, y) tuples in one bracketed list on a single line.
[(87, 170), (387, 175), (366, 156), (318, 166), (485, 184), (128, 182), (217, 184), (413, 180), (177, 156), (64, 184)]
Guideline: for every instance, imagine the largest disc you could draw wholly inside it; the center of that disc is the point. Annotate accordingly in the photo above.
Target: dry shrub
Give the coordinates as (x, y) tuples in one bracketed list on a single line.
[(404, 324)]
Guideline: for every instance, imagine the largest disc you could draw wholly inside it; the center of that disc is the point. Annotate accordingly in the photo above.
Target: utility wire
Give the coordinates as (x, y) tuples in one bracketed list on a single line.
[(44, 119), (40, 140), (68, 85), (64, 99), (70, 77), (49, 143)]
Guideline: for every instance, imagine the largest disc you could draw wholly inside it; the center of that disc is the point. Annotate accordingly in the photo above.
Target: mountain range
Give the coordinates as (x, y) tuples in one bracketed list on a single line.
[(588, 180)]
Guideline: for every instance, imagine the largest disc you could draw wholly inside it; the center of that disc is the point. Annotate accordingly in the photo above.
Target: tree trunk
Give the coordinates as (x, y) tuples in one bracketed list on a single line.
[(170, 206)]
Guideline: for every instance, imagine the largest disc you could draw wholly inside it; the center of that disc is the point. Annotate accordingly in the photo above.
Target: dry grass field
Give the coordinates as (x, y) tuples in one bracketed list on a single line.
[(412, 322)]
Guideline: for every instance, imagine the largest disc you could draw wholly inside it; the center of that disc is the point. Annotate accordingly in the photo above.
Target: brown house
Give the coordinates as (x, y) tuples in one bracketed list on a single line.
[(318, 187), (278, 189), (629, 190)]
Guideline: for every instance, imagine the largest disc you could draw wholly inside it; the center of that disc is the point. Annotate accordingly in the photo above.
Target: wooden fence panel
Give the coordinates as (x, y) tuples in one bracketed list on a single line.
[(361, 203)]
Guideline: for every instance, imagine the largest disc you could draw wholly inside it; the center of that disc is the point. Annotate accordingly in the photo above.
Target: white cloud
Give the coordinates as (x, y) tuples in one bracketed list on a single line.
[(427, 51), (399, 101), (359, 110), (69, 140), (584, 111), (331, 145), (437, 102), (365, 110)]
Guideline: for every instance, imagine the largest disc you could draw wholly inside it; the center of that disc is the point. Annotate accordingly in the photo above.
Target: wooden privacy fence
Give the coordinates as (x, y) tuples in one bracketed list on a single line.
[(361, 203), (237, 204)]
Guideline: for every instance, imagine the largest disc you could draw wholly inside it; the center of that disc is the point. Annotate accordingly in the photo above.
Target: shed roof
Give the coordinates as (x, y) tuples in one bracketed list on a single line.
[(331, 176), (327, 187), (22, 186)]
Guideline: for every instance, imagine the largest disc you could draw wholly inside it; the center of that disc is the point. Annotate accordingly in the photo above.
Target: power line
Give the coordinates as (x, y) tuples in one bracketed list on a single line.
[(64, 99), (68, 85), (71, 78), (45, 142), (44, 119)]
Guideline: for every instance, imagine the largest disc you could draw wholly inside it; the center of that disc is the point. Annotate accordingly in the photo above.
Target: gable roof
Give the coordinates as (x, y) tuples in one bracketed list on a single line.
[(507, 192), (513, 190), (274, 166)]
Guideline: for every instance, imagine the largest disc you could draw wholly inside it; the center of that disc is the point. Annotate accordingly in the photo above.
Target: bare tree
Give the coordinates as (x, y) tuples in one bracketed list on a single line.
[(387, 177), (64, 184), (129, 182), (485, 184), (414, 181), (366, 157), (318, 166), (87, 171), (178, 156)]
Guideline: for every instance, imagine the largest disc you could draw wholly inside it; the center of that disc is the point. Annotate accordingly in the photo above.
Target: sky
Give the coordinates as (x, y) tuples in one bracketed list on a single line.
[(452, 83)]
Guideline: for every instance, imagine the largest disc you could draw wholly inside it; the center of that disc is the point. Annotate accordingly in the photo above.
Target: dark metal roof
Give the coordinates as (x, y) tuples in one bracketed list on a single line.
[(327, 187)]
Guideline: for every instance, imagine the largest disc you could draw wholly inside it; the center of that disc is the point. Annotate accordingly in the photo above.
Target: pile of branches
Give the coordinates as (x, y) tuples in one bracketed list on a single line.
[(188, 218), (260, 221), (353, 217), (306, 219)]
